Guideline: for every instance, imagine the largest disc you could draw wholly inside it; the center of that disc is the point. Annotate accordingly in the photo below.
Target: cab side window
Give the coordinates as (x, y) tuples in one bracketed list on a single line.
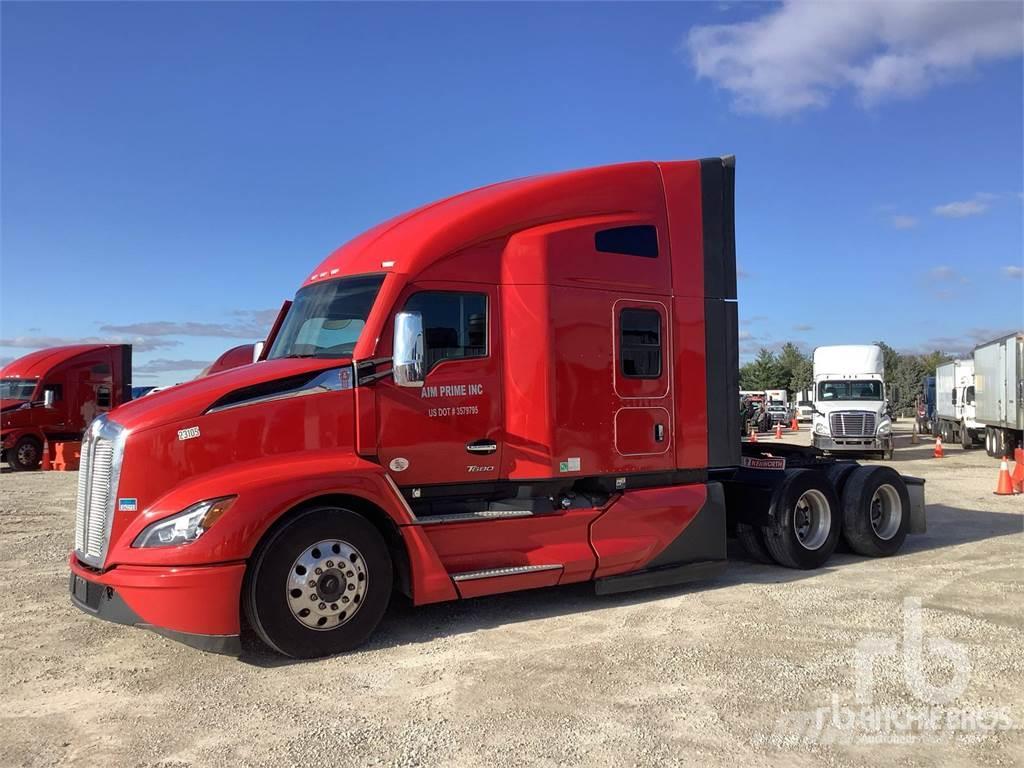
[(454, 324), (640, 343)]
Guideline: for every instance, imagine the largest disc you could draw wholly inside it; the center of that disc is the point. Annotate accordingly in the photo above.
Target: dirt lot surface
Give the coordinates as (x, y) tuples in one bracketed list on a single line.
[(742, 671)]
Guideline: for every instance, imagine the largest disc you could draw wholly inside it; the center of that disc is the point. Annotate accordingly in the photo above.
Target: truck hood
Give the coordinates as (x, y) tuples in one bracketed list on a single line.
[(192, 398), (11, 404)]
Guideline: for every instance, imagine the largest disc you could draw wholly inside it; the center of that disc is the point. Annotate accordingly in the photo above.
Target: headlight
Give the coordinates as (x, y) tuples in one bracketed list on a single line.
[(186, 526), (821, 428), (884, 427)]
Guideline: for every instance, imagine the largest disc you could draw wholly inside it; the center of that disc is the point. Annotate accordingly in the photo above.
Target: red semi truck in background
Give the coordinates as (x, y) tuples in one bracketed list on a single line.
[(530, 384), (243, 354), (54, 393)]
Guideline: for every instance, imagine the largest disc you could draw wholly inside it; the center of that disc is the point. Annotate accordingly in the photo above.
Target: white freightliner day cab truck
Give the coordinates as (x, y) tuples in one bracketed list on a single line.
[(954, 403), (999, 393), (849, 400)]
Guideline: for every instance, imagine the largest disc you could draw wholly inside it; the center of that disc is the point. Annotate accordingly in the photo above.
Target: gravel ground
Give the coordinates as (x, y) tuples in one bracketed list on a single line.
[(728, 673)]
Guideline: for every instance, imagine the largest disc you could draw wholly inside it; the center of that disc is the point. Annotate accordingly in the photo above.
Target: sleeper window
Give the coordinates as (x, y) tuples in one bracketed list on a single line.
[(640, 343), (641, 240), (454, 325)]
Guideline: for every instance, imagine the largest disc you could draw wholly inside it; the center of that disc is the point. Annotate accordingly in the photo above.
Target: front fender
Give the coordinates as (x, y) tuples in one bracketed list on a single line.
[(266, 488)]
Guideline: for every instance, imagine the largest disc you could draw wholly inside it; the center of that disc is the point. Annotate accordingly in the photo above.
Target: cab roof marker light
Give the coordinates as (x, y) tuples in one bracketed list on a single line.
[(387, 264)]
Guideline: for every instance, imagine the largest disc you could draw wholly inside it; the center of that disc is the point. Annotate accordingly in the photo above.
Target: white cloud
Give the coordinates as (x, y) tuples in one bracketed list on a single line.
[(1014, 272), (799, 54), (961, 209), (163, 365), (250, 324), (943, 274), (903, 222), (139, 343)]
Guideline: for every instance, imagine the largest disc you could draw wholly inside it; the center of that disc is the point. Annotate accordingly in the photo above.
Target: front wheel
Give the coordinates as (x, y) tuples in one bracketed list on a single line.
[(26, 454), (320, 584)]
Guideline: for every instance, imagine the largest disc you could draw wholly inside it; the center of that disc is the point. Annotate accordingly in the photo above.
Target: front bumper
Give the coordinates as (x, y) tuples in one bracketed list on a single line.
[(852, 444), (198, 606)]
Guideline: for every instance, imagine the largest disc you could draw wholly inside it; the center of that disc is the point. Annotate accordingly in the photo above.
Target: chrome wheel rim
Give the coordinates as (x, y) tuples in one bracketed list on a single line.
[(812, 519), (326, 585), (886, 512), (27, 454)]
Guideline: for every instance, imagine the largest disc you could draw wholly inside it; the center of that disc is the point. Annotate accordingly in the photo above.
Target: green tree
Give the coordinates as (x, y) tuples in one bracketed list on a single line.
[(763, 373), (796, 368)]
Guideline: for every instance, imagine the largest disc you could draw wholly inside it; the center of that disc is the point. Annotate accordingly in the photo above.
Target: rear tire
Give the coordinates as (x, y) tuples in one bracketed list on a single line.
[(876, 511), (26, 454), (752, 539), (806, 520), (337, 560)]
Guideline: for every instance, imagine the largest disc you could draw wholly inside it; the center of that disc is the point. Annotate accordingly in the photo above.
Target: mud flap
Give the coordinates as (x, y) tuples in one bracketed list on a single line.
[(915, 488)]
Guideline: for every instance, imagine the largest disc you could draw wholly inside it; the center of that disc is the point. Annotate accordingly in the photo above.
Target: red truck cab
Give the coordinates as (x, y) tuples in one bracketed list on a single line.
[(530, 384), (54, 393)]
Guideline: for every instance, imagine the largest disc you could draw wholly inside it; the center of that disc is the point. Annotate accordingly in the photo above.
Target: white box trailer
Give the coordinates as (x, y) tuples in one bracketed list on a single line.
[(999, 393), (955, 403)]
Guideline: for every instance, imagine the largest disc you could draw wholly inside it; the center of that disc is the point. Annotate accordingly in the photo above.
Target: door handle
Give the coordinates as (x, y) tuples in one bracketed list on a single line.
[(482, 447), (659, 433)]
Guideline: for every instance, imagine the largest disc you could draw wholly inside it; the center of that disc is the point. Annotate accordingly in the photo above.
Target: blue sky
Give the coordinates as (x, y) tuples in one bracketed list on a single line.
[(171, 172)]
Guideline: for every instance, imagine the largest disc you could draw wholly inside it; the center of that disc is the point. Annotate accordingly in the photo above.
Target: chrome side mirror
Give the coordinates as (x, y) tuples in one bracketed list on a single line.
[(48, 398), (407, 363)]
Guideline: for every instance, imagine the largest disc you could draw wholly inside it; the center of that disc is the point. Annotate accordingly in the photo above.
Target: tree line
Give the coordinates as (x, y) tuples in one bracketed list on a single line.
[(792, 370)]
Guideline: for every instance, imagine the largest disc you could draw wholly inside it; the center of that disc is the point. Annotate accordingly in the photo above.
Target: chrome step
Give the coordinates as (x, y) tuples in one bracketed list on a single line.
[(492, 573), (468, 517)]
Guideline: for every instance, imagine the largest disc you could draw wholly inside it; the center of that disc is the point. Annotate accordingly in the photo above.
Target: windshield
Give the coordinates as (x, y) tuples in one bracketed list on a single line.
[(850, 390), (326, 318), (17, 389)]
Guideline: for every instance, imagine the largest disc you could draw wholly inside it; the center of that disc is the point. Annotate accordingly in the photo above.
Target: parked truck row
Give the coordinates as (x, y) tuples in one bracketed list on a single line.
[(979, 400)]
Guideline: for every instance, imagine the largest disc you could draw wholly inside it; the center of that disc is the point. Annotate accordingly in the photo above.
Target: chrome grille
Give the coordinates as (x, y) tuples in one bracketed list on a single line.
[(852, 424), (98, 474)]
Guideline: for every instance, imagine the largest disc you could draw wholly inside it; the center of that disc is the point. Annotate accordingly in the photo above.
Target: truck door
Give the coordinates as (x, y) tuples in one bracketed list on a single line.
[(449, 430), (642, 374)]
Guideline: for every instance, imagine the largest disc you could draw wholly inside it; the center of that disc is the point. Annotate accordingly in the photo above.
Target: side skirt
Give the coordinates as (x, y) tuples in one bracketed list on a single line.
[(660, 577)]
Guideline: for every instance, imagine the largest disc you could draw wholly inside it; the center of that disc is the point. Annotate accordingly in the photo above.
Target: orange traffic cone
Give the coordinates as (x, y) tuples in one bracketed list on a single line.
[(794, 425), (1017, 476), (46, 456), (778, 431), (1004, 486), (938, 448), (753, 434)]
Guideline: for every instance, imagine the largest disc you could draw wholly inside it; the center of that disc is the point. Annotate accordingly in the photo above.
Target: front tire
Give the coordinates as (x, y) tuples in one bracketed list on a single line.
[(876, 511), (806, 520), (319, 584), (26, 454)]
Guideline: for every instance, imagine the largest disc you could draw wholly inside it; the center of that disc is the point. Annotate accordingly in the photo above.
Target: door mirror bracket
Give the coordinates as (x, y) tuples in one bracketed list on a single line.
[(408, 350)]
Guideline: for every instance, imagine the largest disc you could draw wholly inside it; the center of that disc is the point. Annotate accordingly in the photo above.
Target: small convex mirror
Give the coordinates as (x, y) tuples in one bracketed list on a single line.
[(408, 352)]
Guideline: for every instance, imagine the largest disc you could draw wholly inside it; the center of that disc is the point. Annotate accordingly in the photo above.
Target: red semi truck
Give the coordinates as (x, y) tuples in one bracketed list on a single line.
[(530, 384), (54, 393)]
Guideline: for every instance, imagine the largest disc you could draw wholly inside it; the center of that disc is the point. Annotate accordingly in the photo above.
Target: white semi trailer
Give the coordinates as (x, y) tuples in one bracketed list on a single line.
[(954, 403), (999, 393), (849, 400)]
